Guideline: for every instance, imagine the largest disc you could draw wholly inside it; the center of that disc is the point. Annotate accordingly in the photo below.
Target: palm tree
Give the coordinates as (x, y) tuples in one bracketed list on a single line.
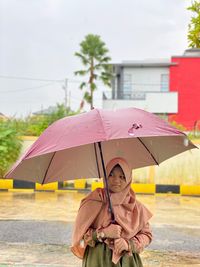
[(93, 56)]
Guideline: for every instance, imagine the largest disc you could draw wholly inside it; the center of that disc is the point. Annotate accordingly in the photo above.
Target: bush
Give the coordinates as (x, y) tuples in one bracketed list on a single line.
[(10, 145), (36, 124), (178, 125)]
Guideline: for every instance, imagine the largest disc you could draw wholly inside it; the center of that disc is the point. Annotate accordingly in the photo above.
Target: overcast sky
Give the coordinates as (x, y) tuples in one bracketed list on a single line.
[(38, 39)]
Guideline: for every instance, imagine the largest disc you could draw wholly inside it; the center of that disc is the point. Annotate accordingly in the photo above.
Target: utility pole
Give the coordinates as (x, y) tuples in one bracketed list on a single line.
[(65, 88)]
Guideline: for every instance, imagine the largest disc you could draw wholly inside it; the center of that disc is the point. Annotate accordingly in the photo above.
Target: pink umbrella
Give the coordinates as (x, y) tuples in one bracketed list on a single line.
[(80, 146), (70, 147)]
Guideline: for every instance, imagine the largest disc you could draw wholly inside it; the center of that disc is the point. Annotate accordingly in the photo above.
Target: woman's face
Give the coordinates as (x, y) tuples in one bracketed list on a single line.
[(116, 180)]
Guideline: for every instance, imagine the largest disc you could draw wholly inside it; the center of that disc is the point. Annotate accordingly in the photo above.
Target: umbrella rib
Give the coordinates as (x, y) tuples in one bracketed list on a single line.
[(148, 150), (48, 167), (95, 149)]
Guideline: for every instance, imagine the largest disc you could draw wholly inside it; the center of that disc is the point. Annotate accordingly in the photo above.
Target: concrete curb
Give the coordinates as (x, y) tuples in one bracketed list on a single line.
[(80, 186)]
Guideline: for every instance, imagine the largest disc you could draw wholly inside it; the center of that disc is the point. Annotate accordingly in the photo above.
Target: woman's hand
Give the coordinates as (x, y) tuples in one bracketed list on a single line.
[(120, 245), (112, 231)]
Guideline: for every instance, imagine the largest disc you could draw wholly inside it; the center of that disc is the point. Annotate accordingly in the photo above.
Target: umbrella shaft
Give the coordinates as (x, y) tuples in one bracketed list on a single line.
[(106, 184)]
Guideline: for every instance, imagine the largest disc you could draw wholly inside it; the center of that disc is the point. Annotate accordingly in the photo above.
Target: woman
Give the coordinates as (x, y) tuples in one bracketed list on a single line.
[(98, 241)]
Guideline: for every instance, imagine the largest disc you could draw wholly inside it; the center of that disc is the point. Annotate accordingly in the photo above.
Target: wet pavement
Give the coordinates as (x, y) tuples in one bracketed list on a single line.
[(35, 229)]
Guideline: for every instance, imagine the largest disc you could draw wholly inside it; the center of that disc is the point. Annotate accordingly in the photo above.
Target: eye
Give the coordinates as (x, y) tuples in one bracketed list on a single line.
[(111, 174), (122, 177)]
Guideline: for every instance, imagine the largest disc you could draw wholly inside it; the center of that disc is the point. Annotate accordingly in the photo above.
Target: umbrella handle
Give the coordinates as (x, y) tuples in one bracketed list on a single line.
[(106, 185)]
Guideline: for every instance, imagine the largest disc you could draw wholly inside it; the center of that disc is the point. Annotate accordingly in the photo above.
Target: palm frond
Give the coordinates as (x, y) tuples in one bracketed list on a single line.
[(81, 72), (93, 86), (83, 58), (82, 85), (87, 97)]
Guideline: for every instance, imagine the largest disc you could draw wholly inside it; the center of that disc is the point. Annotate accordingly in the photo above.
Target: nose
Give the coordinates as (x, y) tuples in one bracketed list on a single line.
[(116, 179)]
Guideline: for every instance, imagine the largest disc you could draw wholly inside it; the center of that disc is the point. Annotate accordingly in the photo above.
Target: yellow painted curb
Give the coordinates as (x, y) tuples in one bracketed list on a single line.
[(138, 188), (6, 183), (95, 185), (79, 183), (190, 189), (50, 186), (144, 188)]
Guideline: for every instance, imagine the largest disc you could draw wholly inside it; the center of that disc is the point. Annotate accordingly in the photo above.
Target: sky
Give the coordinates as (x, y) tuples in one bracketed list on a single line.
[(38, 39)]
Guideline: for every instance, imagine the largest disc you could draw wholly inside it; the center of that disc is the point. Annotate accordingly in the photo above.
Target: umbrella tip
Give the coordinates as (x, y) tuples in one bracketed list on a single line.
[(185, 142)]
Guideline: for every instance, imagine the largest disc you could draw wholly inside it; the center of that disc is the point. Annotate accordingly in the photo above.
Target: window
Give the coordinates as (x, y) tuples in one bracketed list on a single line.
[(127, 88), (164, 84)]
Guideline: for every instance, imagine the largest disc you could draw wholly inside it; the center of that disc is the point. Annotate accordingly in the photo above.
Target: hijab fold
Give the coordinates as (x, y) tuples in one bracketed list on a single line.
[(129, 213)]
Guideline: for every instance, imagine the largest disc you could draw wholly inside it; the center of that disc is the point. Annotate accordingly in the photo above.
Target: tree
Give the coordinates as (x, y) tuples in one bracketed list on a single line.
[(194, 26), (93, 56), (38, 123)]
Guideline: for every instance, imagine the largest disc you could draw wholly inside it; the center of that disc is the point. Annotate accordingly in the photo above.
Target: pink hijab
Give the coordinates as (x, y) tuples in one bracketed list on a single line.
[(129, 213)]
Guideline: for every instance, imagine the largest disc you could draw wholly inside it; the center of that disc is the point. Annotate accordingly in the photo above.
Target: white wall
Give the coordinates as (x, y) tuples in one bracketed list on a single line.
[(146, 78), (158, 102)]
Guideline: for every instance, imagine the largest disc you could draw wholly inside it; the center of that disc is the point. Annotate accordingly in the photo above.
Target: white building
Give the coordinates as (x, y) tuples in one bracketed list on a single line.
[(142, 84)]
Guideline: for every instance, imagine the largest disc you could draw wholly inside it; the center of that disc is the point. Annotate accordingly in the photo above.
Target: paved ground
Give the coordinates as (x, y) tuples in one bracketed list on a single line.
[(166, 237), (35, 229)]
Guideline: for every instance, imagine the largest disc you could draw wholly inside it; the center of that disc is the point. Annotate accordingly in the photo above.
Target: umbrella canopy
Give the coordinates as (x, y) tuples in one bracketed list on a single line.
[(68, 148)]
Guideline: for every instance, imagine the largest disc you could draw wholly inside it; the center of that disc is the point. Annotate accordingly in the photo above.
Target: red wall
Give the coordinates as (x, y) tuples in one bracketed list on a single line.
[(185, 79)]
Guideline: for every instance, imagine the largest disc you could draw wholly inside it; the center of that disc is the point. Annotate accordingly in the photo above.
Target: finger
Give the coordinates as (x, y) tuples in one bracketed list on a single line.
[(115, 227), (119, 230), (119, 227)]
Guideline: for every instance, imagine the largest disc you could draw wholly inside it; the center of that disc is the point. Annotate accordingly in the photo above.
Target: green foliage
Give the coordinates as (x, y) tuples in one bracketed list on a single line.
[(93, 56), (178, 126), (36, 124), (88, 97), (10, 145), (194, 26), (194, 135)]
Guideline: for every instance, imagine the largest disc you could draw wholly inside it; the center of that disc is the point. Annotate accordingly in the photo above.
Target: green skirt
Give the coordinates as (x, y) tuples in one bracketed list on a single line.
[(101, 256)]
